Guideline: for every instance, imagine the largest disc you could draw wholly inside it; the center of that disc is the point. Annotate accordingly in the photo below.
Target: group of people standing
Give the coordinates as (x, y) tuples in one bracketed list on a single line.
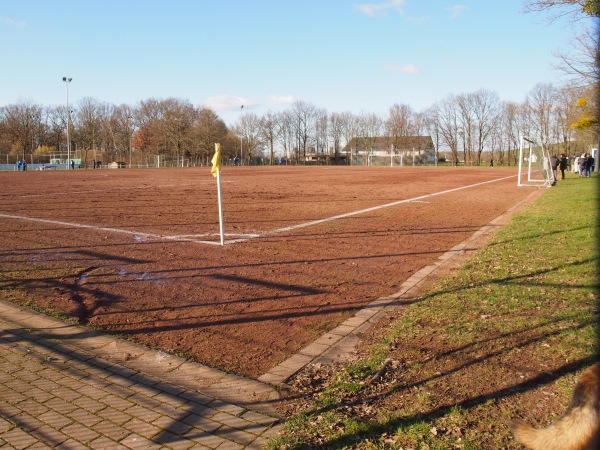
[(586, 164), (583, 164), (557, 164)]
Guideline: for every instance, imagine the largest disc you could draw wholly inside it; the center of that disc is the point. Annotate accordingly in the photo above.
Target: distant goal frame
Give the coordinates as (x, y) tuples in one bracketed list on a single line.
[(537, 169)]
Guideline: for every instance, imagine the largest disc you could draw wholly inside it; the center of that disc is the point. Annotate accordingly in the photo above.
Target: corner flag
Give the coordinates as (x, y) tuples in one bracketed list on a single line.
[(216, 160), (216, 172)]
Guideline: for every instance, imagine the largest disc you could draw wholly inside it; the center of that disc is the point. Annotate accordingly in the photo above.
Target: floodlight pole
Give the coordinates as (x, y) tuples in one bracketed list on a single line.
[(67, 81), (129, 118), (241, 137)]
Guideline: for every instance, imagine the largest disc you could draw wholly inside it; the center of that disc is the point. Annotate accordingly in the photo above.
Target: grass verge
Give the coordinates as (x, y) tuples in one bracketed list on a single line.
[(505, 337)]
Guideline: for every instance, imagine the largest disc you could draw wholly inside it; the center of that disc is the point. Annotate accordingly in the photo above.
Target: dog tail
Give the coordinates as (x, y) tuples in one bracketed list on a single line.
[(577, 429)]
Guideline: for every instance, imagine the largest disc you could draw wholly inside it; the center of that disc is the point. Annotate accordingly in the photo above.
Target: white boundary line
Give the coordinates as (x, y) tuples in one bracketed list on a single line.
[(387, 205), (138, 235)]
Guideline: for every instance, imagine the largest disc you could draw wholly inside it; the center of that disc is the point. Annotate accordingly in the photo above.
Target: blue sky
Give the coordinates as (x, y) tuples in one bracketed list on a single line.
[(340, 55)]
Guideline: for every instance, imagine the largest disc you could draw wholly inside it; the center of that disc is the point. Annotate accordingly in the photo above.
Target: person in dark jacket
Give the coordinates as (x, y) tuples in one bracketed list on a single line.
[(563, 162), (589, 166), (582, 163), (554, 164)]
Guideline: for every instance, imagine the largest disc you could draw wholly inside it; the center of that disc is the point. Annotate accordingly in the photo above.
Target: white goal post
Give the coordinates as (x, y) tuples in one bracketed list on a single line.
[(534, 164)]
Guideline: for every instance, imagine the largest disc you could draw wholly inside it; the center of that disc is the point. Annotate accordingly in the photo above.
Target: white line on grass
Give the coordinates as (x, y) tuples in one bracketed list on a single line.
[(141, 236)]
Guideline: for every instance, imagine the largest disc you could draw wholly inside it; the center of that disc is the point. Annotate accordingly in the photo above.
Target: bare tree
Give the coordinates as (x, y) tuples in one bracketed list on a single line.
[(583, 59), (268, 130), (285, 133), (466, 107), (431, 123), (565, 115), (209, 129), (399, 124), (449, 124), (22, 125), (419, 124), (150, 137), (167, 128), (178, 124), (540, 103), (336, 132), (369, 130), (486, 109), (351, 131), (573, 9), (506, 134), (56, 125), (581, 63), (321, 133), (89, 118), (303, 122), (251, 133)]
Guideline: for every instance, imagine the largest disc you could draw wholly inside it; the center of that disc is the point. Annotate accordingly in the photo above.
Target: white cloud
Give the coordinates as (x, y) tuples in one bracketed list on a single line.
[(226, 102), (282, 99), (406, 68), (457, 10), (13, 23), (372, 9)]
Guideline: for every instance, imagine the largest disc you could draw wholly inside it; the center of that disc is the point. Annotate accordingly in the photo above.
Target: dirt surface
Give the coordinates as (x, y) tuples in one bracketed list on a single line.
[(135, 251)]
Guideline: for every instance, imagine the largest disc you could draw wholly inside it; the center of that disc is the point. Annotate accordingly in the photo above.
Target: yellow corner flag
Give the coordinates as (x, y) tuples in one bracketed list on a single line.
[(216, 160)]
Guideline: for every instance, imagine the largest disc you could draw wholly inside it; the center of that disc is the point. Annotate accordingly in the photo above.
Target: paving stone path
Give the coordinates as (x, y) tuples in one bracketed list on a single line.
[(60, 387)]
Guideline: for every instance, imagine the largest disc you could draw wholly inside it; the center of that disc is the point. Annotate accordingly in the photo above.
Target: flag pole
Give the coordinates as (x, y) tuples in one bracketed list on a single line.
[(220, 207), (216, 172)]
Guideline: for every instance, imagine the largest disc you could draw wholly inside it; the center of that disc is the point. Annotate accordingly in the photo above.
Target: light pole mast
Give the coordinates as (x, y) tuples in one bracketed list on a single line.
[(67, 81), (241, 136), (129, 118)]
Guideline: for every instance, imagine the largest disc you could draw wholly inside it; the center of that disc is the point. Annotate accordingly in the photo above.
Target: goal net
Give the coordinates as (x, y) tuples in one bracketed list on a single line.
[(534, 164)]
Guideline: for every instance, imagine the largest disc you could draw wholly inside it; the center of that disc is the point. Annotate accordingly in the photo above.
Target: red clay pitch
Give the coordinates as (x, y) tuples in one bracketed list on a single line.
[(136, 251)]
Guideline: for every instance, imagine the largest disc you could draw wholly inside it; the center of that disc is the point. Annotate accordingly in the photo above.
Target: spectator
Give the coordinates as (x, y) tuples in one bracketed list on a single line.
[(554, 162), (589, 166), (563, 162), (582, 162)]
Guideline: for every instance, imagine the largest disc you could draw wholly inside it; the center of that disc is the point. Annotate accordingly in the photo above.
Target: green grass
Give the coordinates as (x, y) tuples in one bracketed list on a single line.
[(528, 298)]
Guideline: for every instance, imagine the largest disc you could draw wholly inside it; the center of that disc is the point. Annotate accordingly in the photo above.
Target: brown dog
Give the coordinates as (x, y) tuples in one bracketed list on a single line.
[(578, 428)]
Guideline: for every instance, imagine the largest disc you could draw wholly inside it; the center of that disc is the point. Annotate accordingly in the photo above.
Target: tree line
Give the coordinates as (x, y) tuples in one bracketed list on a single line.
[(464, 125)]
